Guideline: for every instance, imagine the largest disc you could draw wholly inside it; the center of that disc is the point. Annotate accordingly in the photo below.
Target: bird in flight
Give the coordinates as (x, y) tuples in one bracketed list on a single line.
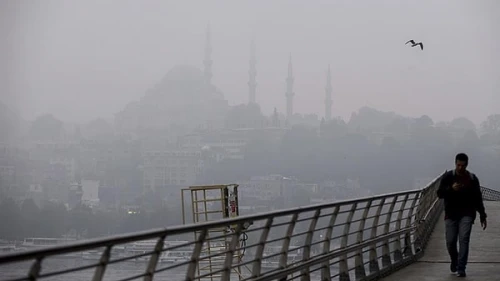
[(413, 44)]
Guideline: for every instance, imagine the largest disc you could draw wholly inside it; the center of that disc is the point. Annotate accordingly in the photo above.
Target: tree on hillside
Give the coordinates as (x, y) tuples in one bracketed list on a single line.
[(53, 220), (492, 124), (31, 217), (462, 123), (245, 116), (11, 220), (469, 141), (299, 148), (81, 216), (47, 127), (333, 129), (370, 120), (9, 121), (98, 129), (491, 130), (424, 121), (398, 125), (260, 156)]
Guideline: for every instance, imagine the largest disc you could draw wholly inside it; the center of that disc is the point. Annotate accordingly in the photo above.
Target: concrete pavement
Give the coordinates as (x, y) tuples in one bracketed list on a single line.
[(484, 254)]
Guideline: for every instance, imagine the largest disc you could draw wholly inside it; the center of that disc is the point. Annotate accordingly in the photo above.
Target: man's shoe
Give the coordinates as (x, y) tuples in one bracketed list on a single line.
[(461, 274), (453, 267)]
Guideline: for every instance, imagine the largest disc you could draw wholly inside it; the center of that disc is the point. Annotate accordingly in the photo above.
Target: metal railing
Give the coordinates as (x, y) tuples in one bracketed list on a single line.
[(490, 194), (361, 239)]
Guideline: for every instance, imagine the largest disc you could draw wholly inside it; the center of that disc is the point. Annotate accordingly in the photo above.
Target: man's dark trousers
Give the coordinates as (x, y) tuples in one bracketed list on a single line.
[(459, 229)]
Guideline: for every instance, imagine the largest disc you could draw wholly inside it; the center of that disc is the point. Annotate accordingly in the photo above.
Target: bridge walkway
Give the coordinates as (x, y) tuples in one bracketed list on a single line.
[(484, 253), (397, 236)]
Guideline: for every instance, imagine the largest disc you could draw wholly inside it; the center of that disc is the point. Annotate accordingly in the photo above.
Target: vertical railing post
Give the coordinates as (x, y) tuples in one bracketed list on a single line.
[(343, 266), (307, 244), (325, 268), (420, 224), (408, 250), (35, 269), (260, 249), (103, 263), (155, 257), (286, 243), (374, 267), (386, 252), (398, 256), (195, 257), (359, 270), (226, 273)]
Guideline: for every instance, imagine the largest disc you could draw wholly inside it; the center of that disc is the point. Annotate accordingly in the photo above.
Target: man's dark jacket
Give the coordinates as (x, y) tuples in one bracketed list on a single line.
[(463, 202)]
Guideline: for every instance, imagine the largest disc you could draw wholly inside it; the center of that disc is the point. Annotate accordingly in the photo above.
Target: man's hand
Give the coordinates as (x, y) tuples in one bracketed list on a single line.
[(456, 186), (484, 224)]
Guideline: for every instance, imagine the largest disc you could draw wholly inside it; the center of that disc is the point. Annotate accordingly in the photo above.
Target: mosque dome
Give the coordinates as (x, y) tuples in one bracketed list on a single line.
[(183, 82), (181, 97), (183, 73)]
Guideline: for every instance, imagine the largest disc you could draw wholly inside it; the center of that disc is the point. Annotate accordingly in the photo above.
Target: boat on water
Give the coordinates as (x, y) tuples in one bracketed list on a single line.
[(176, 256), (138, 248), (117, 251), (271, 258), (38, 243), (92, 255), (179, 253), (30, 243), (8, 248)]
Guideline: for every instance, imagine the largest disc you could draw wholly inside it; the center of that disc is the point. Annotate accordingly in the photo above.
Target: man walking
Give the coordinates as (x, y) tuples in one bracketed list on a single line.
[(462, 196)]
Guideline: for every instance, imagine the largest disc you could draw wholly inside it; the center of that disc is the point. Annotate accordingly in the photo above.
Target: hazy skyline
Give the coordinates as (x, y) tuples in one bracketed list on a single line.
[(86, 59)]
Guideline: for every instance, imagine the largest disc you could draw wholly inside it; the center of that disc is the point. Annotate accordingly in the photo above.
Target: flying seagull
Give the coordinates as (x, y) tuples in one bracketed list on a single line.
[(413, 44)]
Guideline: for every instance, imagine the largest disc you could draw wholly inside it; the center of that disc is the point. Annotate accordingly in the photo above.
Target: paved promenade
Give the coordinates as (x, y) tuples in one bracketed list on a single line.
[(484, 254)]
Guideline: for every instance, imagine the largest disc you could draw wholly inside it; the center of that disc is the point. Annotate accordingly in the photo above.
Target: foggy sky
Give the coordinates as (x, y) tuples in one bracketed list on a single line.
[(85, 59)]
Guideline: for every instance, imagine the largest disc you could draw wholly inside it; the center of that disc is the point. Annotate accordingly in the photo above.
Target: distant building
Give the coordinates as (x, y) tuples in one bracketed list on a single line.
[(68, 164), (342, 190), (14, 171), (282, 191), (262, 188), (74, 195), (229, 144), (53, 165), (36, 192), (171, 167), (115, 164), (90, 192)]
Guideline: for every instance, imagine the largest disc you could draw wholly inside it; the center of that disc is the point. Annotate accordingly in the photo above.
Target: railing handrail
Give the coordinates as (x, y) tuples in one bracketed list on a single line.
[(490, 194), (179, 229), (490, 189)]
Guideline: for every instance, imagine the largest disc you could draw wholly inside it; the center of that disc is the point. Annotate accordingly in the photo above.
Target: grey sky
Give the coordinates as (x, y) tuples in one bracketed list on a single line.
[(86, 59)]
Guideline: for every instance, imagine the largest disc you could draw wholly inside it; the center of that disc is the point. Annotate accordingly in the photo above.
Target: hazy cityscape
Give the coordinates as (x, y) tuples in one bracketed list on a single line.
[(296, 143)]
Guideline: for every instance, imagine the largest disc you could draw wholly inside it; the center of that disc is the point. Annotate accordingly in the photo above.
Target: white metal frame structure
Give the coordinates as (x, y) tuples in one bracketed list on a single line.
[(211, 203)]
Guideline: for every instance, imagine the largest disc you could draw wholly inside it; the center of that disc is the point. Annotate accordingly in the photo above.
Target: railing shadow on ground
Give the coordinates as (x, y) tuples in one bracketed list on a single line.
[(361, 239)]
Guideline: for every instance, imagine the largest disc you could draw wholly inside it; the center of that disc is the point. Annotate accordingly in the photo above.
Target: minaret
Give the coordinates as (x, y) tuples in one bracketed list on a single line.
[(289, 91), (252, 73), (276, 120), (207, 62), (328, 93)]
